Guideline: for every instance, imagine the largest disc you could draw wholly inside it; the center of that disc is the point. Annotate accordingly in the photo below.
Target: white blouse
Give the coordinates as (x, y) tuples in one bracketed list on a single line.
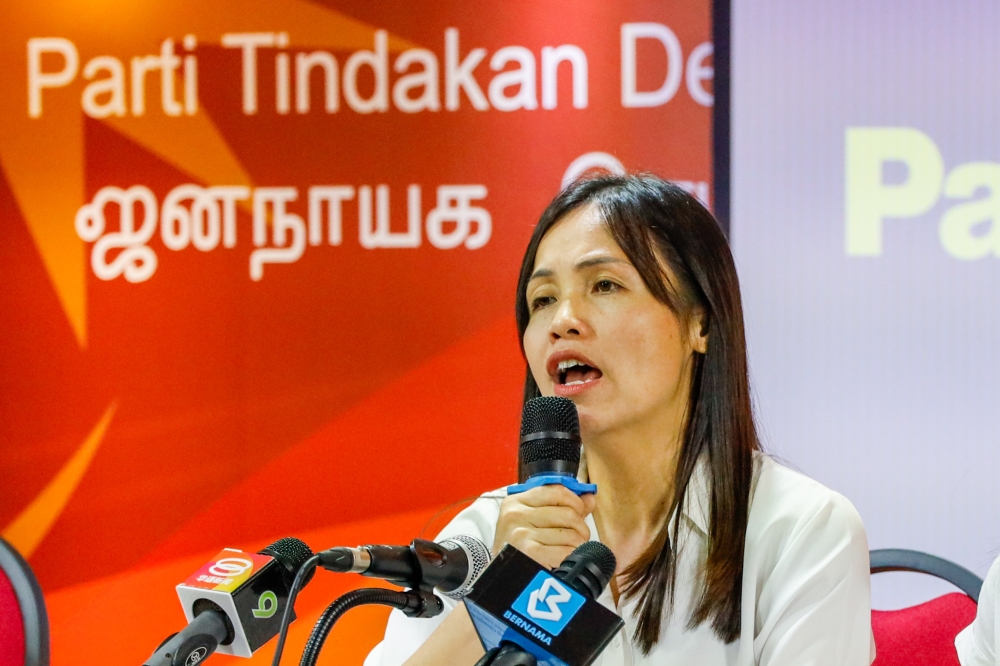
[(806, 593), (976, 644)]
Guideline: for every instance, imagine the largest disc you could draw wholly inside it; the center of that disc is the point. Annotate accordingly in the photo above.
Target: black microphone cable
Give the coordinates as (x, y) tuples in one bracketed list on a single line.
[(304, 572)]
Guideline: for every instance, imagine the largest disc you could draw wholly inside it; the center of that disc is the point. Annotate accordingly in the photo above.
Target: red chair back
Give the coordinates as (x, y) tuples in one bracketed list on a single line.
[(24, 623), (11, 625), (922, 635)]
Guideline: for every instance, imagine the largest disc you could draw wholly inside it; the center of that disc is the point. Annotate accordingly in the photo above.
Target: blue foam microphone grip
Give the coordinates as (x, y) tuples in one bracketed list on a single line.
[(570, 482)]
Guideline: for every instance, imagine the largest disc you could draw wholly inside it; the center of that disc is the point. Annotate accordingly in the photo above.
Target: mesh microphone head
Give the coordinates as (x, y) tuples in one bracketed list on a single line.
[(549, 414), (291, 553), (559, 452), (544, 450), (478, 558), (599, 554), (588, 569)]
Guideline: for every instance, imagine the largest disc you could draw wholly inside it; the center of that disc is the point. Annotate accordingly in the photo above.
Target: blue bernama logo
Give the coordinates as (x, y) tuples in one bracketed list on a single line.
[(548, 603)]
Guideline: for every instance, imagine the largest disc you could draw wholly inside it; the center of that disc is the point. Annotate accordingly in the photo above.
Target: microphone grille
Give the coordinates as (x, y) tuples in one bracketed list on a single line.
[(479, 558), (291, 552), (550, 449), (549, 414), (600, 555)]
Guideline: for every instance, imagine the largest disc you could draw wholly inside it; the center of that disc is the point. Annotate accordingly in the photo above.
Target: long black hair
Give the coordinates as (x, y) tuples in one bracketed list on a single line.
[(657, 224)]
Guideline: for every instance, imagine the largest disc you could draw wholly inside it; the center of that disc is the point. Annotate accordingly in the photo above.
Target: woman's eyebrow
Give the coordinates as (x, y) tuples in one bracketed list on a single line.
[(597, 261), (586, 263)]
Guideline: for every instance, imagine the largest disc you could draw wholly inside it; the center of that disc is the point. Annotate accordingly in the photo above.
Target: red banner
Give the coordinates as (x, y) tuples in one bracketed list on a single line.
[(259, 263)]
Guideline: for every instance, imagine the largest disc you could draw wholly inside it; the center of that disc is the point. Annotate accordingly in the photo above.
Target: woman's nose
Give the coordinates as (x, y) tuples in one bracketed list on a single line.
[(568, 321)]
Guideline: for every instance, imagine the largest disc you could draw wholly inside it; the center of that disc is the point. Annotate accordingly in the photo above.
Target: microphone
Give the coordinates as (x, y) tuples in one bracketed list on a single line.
[(549, 449), (451, 566), (588, 569), (233, 603), (553, 616)]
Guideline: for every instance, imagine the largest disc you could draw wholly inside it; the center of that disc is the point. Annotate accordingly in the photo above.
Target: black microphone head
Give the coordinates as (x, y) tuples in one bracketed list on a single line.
[(588, 569), (549, 414), (291, 554), (550, 437), (599, 554)]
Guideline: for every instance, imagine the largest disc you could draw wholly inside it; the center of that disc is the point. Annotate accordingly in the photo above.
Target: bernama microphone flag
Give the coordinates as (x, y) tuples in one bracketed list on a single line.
[(516, 600)]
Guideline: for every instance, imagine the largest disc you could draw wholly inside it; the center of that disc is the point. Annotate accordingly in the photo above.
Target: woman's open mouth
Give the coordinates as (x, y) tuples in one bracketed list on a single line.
[(572, 373)]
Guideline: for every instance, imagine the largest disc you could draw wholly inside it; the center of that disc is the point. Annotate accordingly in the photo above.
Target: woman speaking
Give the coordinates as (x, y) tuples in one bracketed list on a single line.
[(628, 304)]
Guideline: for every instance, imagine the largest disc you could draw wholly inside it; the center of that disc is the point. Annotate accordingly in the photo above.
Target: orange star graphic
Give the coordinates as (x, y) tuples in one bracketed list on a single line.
[(43, 158)]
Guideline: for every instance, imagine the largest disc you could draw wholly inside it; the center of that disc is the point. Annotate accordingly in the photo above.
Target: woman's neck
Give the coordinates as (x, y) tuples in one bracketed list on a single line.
[(634, 471)]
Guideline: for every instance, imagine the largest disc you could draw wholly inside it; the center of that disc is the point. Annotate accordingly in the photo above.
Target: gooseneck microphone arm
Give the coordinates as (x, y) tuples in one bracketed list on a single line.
[(414, 603)]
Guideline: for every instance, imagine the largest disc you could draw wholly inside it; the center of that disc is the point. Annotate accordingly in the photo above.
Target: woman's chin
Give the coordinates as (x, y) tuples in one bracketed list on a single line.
[(595, 422)]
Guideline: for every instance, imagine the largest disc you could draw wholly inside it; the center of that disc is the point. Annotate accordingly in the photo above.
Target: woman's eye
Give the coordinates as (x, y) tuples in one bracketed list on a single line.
[(605, 286), (541, 302)]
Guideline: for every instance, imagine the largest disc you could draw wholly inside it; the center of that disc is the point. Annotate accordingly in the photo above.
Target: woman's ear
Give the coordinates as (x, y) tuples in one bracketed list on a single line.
[(698, 331)]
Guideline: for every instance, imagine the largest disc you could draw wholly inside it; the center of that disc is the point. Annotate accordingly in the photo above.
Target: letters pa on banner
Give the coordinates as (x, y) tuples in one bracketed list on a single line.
[(969, 229), (206, 216)]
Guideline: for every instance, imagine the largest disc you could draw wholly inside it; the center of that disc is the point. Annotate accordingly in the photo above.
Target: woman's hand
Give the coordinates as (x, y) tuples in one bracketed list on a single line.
[(546, 523)]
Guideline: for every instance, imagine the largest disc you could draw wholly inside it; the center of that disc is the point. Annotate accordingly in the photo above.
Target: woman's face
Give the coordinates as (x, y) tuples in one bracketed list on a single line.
[(598, 336)]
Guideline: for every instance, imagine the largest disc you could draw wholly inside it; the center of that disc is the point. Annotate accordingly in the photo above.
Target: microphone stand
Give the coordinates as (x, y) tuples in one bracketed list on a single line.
[(414, 603), (507, 654)]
